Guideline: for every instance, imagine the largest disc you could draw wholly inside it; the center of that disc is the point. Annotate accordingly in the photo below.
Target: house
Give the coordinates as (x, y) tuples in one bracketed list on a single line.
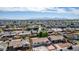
[(24, 33), (18, 43), (56, 39), (3, 46), (62, 45), (50, 47), (40, 41), (41, 48), (57, 29)]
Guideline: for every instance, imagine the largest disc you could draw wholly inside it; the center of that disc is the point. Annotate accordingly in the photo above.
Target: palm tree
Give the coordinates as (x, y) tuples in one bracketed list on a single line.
[(8, 42), (30, 47)]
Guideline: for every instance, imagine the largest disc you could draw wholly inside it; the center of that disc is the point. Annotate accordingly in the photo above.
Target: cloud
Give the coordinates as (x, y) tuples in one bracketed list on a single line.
[(75, 11), (67, 10), (21, 9), (12, 9)]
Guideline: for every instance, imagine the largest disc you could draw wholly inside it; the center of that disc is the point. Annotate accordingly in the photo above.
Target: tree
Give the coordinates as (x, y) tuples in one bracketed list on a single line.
[(42, 34), (1, 30), (39, 34), (24, 37), (7, 26)]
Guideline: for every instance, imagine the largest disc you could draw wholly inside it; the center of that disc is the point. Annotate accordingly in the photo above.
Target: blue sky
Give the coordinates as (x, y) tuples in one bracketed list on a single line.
[(33, 13)]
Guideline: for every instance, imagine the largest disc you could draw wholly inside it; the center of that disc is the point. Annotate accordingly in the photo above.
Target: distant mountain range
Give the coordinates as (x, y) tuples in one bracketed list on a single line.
[(43, 19)]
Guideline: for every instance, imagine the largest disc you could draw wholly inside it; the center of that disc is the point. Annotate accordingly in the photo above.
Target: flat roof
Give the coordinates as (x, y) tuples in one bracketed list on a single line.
[(50, 47), (41, 48), (35, 40), (3, 46), (62, 45), (56, 37), (18, 43)]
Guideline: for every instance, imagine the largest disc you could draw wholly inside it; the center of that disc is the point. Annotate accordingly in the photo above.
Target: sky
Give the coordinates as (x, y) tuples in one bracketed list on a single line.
[(42, 13), (43, 9)]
